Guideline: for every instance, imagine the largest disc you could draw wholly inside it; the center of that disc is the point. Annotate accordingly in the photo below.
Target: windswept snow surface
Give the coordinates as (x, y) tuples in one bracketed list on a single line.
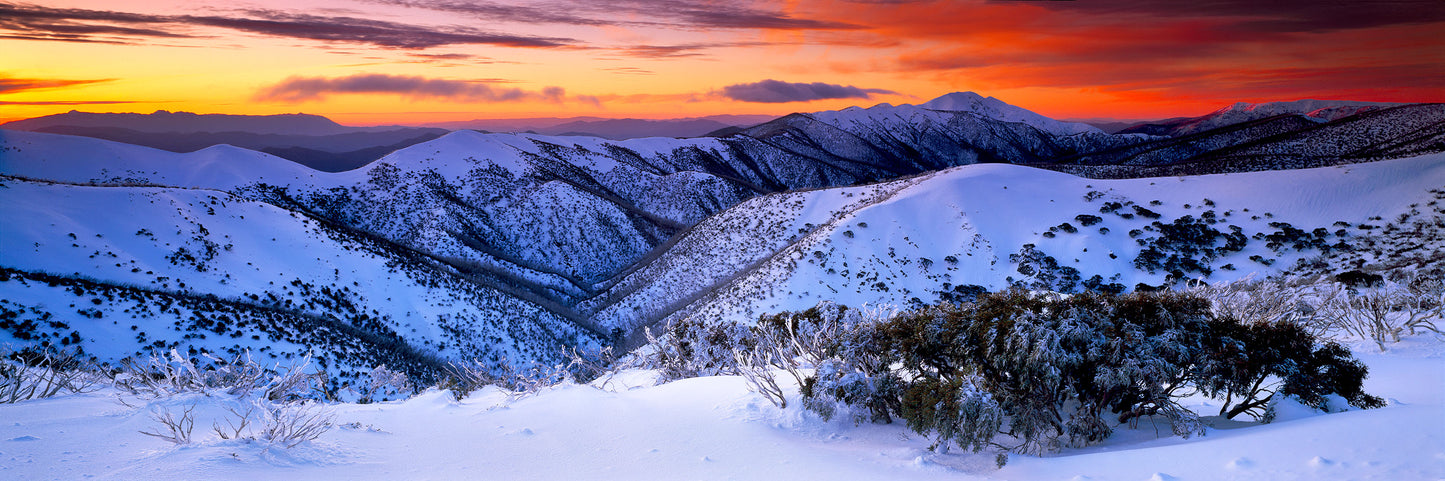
[(713, 428)]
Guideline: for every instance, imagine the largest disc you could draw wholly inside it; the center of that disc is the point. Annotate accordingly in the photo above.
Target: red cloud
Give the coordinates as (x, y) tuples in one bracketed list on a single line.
[(1166, 52)]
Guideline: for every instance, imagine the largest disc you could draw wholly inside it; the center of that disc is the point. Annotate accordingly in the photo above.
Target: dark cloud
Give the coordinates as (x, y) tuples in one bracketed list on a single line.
[(68, 102), (37, 22), (687, 14), (359, 30), (1272, 15), (711, 15), (777, 91), (532, 13), (12, 85), (301, 89)]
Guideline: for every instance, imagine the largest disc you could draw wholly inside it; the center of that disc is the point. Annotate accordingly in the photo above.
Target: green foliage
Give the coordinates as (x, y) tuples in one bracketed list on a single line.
[(1030, 372), (1249, 364)]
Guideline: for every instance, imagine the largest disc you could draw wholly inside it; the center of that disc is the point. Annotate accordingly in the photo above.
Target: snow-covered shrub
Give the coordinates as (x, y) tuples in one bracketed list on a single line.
[(1033, 372), (464, 377), (956, 410), (755, 364), (176, 429), (1248, 364), (31, 374), (827, 337), (1330, 369), (1251, 301), (290, 424), (174, 373), (693, 348), (1367, 315), (383, 383), (1421, 301), (857, 371), (278, 424), (586, 367)]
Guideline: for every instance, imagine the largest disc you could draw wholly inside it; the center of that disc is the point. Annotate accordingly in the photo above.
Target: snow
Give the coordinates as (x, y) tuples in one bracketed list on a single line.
[(980, 214), (998, 109), (65, 158), (712, 428), (1305, 106), (131, 237)]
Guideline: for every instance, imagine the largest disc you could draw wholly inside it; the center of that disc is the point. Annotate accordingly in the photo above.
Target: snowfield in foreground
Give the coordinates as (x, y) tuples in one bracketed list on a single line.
[(623, 427)]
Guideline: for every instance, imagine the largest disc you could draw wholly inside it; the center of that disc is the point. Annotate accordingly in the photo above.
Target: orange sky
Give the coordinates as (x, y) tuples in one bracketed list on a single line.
[(412, 61)]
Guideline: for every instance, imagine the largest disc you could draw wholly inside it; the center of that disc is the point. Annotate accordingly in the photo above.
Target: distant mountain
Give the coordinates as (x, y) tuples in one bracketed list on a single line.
[(1114, 126), (614, 129), (620, 129), (327, 153), (162, 121), (1281, 141), (1318, 110), (309, 140)]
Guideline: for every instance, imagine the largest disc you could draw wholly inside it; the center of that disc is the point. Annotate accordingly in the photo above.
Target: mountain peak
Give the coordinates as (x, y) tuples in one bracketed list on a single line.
[(958, 101), (999, 110)]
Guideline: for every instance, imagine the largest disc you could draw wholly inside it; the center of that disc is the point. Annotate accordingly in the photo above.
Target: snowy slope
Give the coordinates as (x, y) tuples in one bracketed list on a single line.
[(713, 428), (74, 159), (203, 244), (961, 227)]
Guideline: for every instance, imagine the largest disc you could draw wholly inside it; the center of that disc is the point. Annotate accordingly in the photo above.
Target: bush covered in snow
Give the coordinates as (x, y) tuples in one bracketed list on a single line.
[(1024, 371)]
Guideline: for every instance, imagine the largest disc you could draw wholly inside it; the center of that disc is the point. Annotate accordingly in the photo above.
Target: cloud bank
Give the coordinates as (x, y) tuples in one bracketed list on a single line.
[(10, 85), (303, 89), (38, 22), (777, 91)]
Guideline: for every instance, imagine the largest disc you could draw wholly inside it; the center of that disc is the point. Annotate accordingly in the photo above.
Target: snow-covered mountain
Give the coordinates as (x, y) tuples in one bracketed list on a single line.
[(915, 240), (996, 109), (310, 140), (128, 269), (614, 129), (1276, 142), (1314, 110), (508, 247)]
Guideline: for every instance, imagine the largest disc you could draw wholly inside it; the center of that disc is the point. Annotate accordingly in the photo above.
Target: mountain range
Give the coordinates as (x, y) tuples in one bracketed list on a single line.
[(509, 248), (612, 129)]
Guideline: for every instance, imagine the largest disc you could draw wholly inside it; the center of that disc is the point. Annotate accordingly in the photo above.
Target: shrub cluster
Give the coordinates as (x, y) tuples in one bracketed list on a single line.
[(1026, 372)]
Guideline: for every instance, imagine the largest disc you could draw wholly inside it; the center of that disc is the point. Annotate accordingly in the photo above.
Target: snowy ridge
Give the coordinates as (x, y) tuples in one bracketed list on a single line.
[(85, 160), (938, 112), (996, 109), (961, 226), (1318, 111), (210, 244)]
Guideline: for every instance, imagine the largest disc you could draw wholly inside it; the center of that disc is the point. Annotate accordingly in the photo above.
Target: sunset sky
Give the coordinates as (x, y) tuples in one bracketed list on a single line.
[(366, 62)]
